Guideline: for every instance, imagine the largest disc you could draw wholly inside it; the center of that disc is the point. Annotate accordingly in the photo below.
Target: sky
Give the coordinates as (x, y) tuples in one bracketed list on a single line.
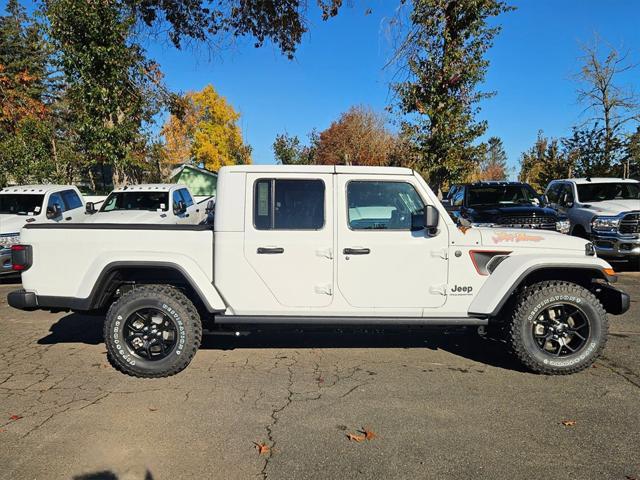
[(340, 63)]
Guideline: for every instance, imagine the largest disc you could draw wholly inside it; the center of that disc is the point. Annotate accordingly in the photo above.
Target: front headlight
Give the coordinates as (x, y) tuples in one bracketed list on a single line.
[(563, 226), (605, 224), (8, 239)]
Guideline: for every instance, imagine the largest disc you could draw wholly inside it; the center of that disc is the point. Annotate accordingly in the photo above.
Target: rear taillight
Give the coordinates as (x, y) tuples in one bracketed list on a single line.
[(20, 257)]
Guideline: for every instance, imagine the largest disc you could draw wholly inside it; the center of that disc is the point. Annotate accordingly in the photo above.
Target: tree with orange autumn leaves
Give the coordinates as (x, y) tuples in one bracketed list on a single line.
[(206, 133)]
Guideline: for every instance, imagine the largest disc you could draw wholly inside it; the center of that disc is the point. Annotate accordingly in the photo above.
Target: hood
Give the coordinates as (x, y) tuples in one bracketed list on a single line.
[(128, 216), (544, 240), (13, 223), (612, 207), (491, 214)]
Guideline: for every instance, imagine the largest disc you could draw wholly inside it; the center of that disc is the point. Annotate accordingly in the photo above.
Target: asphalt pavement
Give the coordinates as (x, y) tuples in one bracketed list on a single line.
[(442, 405)]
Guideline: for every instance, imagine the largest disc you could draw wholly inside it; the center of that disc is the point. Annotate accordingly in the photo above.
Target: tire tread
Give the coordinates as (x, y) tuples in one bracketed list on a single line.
[(172, 294), (526, 303)]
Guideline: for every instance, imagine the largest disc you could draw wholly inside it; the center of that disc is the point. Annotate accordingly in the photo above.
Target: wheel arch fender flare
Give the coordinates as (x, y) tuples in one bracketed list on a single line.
[(205, 292), (518, 270)]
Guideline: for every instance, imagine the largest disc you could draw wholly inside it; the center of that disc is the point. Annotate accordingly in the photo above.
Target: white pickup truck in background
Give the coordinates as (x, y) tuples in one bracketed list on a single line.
[(28, 204), (321, 245), (151, 203), (603, 210)]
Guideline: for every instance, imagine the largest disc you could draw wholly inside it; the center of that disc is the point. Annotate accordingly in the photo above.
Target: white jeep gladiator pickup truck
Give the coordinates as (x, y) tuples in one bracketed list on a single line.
[(603, 210), (151, 203), (320, 245), (27, 204)]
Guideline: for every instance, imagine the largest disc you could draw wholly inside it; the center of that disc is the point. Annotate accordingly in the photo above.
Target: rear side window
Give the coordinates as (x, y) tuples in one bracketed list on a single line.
[(288, 204), (71, 199), (383, 206)]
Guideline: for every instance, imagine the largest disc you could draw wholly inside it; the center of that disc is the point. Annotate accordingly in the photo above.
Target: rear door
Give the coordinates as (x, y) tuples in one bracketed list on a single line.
[(384, 258), (289, 236)]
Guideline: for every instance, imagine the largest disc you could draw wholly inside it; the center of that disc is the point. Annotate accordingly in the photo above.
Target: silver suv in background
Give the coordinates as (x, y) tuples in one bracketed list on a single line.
[(603, 210)]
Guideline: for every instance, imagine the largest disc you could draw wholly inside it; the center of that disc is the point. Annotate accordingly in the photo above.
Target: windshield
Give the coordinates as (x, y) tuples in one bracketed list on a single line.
[(600, 192), (136, 201), (21, 204), (483, 195)]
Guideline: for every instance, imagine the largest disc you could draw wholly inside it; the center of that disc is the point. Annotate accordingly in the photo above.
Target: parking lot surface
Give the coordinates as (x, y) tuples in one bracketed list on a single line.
[(441, 404)]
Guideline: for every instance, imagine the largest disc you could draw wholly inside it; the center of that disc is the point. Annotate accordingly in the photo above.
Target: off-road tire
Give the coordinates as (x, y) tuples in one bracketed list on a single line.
[(531, 302), (167, 299)]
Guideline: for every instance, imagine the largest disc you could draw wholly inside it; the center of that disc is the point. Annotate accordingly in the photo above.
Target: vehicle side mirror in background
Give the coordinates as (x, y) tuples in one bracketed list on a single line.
[(90, 208), (431, 218), (54, 211), (544, 200), (211, 206), (180, 208), (567, 200)]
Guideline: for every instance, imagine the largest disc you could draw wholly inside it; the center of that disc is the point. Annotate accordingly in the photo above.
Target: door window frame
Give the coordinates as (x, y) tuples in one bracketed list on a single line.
[(360, 180), (272, 203)]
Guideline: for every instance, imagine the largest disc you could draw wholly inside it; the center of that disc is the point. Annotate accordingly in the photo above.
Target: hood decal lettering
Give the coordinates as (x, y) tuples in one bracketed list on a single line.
[(515, 237)]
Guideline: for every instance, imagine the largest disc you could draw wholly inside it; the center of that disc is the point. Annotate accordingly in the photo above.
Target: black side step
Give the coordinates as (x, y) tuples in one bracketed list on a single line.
[(331, 320)]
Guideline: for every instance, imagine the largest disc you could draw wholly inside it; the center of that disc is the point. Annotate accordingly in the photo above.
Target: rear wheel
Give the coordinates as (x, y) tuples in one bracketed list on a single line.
[(152, 331), (558, 328)]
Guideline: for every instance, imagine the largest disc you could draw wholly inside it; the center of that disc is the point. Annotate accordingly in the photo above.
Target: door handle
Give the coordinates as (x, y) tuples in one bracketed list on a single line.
[(270, 250), (356, 251)]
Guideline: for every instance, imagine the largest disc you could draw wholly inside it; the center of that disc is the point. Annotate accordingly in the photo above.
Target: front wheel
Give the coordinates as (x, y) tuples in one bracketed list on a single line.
[(558, 328), (152, 331)]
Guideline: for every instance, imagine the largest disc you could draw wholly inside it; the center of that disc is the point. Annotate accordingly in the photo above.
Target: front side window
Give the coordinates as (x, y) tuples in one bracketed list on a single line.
[(55, 199), (20, 204), (136, 201), (601, 192), (186, 197), (553, 193), (288, 204), (378, 205), (458, 198)]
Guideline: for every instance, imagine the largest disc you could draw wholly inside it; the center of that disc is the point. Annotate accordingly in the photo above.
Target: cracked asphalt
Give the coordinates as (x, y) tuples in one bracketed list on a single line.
[(442, 404)]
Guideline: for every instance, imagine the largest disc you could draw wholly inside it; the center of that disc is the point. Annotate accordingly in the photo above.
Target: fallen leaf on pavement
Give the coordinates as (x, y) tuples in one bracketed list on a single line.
[(153, 409), (15, 417), (262, 448), (368, 434), (355, 438), (569, 423)]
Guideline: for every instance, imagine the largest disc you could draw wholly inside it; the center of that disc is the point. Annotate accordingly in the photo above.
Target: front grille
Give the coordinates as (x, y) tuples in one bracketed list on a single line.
[(630, 223), (543, 223)]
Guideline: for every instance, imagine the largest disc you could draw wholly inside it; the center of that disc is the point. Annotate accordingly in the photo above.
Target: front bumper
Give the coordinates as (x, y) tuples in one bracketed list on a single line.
[(615, 245), (5, 261)]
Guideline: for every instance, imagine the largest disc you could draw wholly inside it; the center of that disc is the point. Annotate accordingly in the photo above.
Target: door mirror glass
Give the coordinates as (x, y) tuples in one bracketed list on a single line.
[(431, 217), (211, 206), (180, 207), (567, 200), (90, 208), (54, 211)]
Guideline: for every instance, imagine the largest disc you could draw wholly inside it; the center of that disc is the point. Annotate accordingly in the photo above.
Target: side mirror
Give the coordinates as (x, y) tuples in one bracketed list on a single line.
[(431, 218), (90, 208), (544, 200), (54, 211), (567, 201), (211, 206), (180, 208)]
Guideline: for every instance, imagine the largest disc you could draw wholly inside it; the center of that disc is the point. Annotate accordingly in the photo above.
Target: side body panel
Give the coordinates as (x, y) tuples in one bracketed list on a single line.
[(66, 262)]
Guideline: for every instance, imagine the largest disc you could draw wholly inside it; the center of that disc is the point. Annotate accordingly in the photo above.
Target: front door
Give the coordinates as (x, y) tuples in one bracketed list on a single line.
[(384, 258), (289, 236)]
